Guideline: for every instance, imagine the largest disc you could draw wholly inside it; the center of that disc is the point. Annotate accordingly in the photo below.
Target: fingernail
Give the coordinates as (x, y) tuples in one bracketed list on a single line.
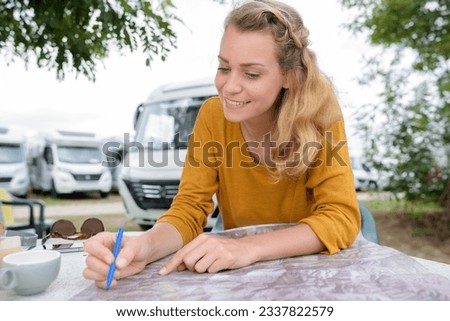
[(121, 262), (163, 270)]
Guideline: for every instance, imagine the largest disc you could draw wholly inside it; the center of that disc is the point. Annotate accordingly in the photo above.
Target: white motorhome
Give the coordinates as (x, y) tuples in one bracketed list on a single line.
[(153, 162), (365, 178), (13, 165), (113, 151), (64, 162)]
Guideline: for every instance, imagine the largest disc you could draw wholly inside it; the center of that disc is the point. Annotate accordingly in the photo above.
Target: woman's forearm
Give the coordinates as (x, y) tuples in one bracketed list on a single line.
[(161, 240), (292, 241)]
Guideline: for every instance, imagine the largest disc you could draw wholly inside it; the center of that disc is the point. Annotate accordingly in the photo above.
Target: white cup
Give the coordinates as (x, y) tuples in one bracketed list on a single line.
[(29, 272)]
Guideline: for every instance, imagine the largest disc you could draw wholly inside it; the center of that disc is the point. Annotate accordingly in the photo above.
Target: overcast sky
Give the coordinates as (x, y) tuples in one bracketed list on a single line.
[(34, 100)]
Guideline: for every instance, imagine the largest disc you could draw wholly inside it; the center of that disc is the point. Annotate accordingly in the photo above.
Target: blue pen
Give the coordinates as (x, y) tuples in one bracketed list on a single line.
[(112, 267)]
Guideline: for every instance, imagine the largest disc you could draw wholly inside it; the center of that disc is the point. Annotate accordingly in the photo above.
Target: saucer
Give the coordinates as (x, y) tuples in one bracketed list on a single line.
[(27, 239)]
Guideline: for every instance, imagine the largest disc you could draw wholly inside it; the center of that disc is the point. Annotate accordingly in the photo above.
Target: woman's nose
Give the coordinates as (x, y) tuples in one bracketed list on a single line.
[(232, 84)]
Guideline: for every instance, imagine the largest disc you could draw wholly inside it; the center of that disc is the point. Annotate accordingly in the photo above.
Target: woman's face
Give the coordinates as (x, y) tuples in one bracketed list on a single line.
[(249, 77)]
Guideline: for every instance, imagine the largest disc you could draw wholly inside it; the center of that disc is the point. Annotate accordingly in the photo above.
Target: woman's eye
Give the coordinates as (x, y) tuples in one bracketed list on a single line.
[(252, 75), (223, 69)]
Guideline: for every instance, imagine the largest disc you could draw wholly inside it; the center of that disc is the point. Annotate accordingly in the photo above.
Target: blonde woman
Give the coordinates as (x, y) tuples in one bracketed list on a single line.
[(271, 147)]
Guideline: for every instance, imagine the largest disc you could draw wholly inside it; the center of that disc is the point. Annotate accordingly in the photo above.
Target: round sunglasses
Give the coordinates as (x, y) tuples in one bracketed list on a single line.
[(66, 229)]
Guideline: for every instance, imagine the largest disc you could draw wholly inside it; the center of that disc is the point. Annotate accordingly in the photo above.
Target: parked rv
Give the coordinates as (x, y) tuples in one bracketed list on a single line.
[(13, 166), (64, 162), (154, 160), (113, 151), (365, 178)]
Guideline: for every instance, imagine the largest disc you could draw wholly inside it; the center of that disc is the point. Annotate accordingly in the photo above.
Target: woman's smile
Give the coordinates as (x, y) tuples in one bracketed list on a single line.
[(235, 104)]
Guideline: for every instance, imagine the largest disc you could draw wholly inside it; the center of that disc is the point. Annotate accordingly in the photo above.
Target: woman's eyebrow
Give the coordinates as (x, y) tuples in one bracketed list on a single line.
[(242, 65)]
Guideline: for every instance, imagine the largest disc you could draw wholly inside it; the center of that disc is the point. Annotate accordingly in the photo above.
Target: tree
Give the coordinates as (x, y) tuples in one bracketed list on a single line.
[(74, 35), (407, 130)]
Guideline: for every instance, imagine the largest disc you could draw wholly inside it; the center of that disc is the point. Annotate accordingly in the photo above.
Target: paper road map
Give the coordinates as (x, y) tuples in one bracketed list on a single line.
[(365, 271)]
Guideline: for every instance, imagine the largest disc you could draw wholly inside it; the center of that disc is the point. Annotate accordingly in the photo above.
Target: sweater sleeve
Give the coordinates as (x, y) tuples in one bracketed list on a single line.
[(199, 182), (335, 216)]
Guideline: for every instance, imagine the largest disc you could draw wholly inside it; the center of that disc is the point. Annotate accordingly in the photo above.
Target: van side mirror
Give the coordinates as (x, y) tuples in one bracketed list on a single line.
[(48, 156), (137, 113)]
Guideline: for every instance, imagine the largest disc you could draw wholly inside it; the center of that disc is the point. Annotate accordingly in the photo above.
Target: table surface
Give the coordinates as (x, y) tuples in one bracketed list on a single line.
[(365, 271)]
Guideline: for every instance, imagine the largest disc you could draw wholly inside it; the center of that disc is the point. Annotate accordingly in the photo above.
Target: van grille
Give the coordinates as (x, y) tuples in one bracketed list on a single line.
[(5, 179), (86, 177), (153, 194)]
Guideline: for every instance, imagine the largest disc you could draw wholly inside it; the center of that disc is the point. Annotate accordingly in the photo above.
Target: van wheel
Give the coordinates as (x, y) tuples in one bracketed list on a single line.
[(373, 185), (23, 195), (104, 194)]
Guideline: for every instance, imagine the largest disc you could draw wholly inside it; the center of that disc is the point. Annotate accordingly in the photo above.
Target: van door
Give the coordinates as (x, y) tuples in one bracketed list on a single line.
[(47, 169), (34, 172)]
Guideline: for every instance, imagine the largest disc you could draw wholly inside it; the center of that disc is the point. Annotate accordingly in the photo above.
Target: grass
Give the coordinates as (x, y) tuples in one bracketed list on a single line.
[(65, 199), (401, 206), (422, 231), (426, 218)]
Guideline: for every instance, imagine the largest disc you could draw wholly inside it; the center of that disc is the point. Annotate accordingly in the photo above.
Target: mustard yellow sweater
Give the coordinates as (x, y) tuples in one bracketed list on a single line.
[(218, 163)]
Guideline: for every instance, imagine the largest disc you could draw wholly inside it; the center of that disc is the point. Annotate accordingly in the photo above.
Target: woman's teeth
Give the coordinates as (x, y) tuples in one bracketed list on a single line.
[(235, 103)]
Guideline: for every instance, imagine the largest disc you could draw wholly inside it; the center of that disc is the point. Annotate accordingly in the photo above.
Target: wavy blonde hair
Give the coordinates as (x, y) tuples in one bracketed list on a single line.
[(309, 105)]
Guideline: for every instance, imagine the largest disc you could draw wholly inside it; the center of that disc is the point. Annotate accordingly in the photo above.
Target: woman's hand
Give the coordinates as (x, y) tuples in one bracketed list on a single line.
[(209, 253), (131, 259)]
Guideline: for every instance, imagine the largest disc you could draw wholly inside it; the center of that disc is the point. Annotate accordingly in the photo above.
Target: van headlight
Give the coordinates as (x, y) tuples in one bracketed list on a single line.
[(106, 175), (63, 169), (20, 178), (125, 173)]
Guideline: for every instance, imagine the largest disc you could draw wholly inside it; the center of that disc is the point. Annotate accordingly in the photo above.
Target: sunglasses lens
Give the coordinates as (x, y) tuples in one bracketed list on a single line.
[(64, 227), (92, 226)]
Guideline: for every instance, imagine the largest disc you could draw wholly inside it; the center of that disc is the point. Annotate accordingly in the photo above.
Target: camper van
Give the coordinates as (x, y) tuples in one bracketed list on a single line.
[(365, 178), (13, 166), (113, 151), (65, 162), (154, 160)]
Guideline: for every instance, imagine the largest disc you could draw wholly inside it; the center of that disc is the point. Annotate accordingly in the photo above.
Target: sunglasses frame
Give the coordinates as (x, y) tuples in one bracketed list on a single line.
[(65, 229)]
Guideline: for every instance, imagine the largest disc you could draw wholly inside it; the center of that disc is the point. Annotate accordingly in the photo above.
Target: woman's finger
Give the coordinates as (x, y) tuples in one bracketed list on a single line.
[(102, 284), (205, 263), (93, 275), (181, 267), (96, 264), (173, 263), (216, 266), (101, 246)]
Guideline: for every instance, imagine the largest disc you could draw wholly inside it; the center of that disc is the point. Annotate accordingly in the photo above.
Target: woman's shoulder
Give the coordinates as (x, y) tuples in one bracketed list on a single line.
[(212, 109), (335, 132), (336, 123), (211, 118), (212, 104)]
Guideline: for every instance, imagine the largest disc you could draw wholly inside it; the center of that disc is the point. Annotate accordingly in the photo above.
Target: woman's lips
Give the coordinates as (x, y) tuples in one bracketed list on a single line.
[(235, 103)]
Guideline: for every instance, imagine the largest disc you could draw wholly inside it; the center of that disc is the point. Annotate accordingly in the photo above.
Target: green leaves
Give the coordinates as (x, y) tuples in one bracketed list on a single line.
[(76, 35), (420, 25), (407, 129)]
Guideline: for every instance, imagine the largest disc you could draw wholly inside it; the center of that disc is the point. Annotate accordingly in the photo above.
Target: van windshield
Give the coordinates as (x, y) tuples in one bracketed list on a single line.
[(79, 155), (11, 153), (168, 124)]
